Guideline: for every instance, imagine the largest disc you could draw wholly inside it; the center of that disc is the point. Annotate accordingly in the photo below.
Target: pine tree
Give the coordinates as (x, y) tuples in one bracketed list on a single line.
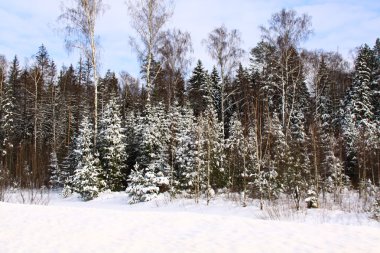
[(264, 72), (19, 97), (143, 184), (280, 148), (57, 176), (87, 179), (214, 149), (200, 156), (298, 163), (196, 91), (181, 147), (155, 141), (324, 120), (70, 103), (8, 118), (264, 171), (185, 150), (237, 154), (243, 89), (359, 127), (298, 173), (376, 97), (323, 98), (216, 92), (336, 179), (152, 164), (361, 103), (111, 146), (133, 127), (244, 160), (108, 88), (70, 163)]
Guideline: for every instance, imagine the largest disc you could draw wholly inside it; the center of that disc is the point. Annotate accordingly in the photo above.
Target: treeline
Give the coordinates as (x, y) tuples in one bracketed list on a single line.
[(290, 121)]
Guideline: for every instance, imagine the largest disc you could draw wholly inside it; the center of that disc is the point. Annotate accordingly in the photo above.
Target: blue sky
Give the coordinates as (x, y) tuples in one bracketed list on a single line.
[(339, 25)]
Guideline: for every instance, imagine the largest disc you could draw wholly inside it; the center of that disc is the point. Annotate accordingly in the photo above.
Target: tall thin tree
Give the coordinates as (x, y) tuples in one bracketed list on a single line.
[(79, 24), (225, 48), (148, 19)]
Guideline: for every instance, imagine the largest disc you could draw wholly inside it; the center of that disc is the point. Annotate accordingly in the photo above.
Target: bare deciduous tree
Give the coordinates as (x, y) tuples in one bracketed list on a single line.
[(79, 24), (224, 47), (286, 29), (285, 32), (131, 91), (148, 18), (173, 49)]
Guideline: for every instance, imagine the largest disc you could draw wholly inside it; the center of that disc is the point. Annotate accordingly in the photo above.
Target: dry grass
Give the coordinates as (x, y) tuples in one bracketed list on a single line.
[(282, 209), (33, 196)]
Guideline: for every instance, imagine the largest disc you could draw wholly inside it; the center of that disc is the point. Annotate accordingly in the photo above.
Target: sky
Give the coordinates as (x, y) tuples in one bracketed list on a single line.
[(339, 25)]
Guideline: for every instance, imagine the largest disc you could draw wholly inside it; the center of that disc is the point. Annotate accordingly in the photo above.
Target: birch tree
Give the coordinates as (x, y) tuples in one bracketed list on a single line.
[(79, 23), (148, 18), (224, 47), (285, 32), (173, 52)]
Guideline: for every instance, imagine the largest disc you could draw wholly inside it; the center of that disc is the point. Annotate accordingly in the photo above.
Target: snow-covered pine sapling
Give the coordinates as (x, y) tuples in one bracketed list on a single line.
[(67, 191), (311, 199), (142, 184)]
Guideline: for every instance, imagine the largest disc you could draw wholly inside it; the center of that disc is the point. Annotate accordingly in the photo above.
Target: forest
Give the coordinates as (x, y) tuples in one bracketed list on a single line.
[(289, 121)]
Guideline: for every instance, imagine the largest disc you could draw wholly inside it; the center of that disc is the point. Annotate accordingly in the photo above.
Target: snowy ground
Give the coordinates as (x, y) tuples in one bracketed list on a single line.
[(109, 224)]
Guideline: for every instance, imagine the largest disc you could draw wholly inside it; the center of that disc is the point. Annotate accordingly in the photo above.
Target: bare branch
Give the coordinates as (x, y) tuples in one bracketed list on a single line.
[(79, 26), (148, 19)]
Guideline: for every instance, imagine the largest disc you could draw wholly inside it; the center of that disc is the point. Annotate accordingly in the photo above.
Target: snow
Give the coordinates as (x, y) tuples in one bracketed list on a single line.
[(109, 224)]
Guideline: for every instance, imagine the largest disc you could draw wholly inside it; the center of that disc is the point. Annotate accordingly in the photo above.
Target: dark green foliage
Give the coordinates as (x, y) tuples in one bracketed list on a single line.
[(196, 89)]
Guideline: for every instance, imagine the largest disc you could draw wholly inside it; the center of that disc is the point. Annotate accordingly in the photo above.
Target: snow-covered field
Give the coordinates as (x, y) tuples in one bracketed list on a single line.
[(109, 224)]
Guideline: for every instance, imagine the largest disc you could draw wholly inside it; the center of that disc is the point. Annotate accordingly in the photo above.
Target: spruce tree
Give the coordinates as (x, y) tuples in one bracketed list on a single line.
[(87, 180), (181, 147), (69, 164), (298, 164), (336, 178), (196, 89), (235, 154), (358, 116), (8, 118), (17, 98), (57, 176), (111, 146), (185, 151), (324, 119), (264, 70), (142, 184), (214, 149), (152, 165), (216, 92), (323, 99), (132, 139), (361, 96), (242, 150), (200, 155)]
